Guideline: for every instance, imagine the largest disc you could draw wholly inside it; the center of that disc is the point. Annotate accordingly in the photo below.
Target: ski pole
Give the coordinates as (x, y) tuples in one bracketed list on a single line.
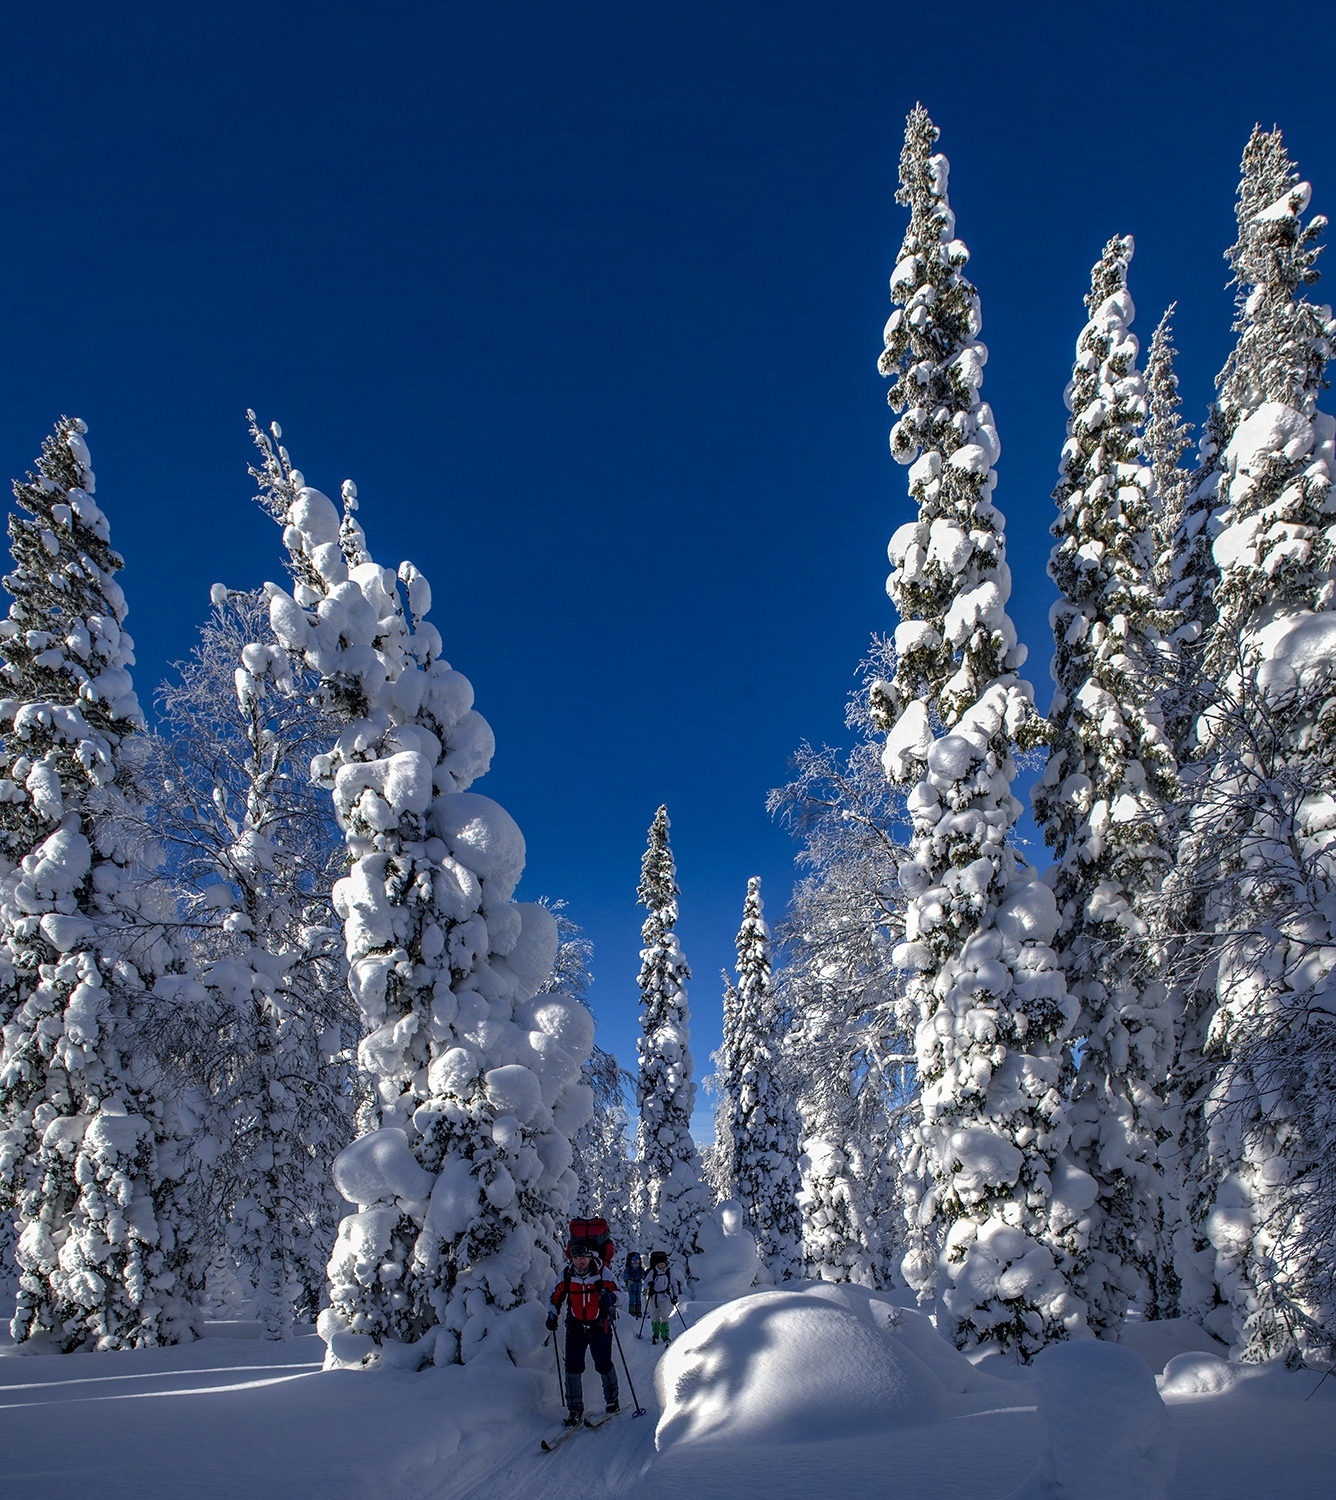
[(640, 1332), (680, 1318), (640, 1410), (561, 1384)]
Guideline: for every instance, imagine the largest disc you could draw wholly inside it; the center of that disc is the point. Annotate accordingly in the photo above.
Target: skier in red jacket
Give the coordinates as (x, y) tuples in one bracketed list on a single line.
[(590, 1293)]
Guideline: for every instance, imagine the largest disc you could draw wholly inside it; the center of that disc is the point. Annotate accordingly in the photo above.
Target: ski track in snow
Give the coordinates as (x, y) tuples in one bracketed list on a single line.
[(199, 1390), (598, 1465)]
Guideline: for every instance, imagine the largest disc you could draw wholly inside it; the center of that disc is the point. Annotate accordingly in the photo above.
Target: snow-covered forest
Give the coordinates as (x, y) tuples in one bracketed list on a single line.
[(282, 1048)]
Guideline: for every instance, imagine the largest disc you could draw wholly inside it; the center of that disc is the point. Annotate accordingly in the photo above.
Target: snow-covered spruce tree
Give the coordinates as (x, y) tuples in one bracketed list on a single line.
[(1104, 805), (849, 1050), (988, 1187), (80, 1126), (259, 1031), (1185, 578), (1264, 778), (1185, 571), (672, 1194), (755, 1122), (463, 1183)]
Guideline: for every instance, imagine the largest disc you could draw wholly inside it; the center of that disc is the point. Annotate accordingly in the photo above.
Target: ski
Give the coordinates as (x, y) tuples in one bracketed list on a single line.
[(599, 1420), (550, 1445)]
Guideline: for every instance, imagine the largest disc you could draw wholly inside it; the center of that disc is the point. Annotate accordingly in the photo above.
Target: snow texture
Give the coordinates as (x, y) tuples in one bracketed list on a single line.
[(790, 1366), (729, 1258)]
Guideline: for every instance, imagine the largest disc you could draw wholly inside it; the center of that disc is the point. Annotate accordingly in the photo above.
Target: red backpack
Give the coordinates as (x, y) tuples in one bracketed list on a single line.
[(591, 1235)]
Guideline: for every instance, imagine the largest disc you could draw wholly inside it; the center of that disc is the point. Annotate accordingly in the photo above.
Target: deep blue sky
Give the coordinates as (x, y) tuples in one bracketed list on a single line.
[(588, 299)]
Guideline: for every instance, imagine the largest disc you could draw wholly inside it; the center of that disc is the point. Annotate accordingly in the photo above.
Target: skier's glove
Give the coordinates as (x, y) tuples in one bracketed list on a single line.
[(606, 1307), (551, 1322)]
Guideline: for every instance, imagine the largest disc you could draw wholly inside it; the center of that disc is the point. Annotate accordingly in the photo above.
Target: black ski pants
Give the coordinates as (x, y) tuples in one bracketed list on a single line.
[(596, 1337)]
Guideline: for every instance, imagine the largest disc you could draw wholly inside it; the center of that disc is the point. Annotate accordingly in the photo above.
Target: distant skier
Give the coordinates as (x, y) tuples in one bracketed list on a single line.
[(634, 1272), (590, 1293), (663, 1291)]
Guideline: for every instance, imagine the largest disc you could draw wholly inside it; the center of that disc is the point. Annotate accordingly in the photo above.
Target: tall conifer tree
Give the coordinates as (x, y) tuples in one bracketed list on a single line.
[(1104, 801), (1256, 846), (674, 1197), (83, 1149), (462, 1185), (987, 1180), (756, 1133), (1185, 571)]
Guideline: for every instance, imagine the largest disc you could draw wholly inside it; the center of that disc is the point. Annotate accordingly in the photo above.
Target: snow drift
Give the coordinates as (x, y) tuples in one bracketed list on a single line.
[(818, 1362)]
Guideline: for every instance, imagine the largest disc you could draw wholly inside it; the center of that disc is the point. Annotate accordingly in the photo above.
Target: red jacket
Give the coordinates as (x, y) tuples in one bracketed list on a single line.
[(584, 1292)]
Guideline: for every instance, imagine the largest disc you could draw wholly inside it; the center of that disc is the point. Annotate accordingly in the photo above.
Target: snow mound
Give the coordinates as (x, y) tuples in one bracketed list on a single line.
[(1158, 1340), (1197, 1374), (728, 1261), (795, 1366), (1106, 1430)]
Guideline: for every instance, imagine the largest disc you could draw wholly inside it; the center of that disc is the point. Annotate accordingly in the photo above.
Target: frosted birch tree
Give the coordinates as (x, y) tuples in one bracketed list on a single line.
[(673, 1195), (84, 1147), (1104, 805), (602, 1163), (259, 1029), (988, 1185), (755, 1124), (462, 1185), (849, 1051)]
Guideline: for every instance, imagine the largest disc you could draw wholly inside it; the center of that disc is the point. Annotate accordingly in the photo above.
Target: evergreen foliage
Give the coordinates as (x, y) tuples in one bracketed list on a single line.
[(601, 1164), (672, 1195)]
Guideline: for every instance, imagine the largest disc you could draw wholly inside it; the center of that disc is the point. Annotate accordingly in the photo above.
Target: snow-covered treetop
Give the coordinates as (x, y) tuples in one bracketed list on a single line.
[(369, 640), (949, 578), (1165, 439), (1272, 478), (1185, 571), (1284, 340), (657, 891), (753, 942), (1106, 661), (65, 657)]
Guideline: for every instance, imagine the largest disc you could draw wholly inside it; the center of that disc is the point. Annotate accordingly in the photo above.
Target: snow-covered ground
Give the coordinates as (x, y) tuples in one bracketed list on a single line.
[(786, 1393)]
